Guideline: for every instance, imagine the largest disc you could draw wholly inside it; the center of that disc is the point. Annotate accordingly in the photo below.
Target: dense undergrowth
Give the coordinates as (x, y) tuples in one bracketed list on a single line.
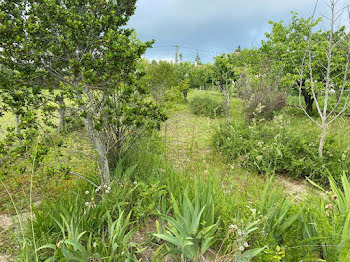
[(190, 215), (270, 147), (207, 106), (154, 212)]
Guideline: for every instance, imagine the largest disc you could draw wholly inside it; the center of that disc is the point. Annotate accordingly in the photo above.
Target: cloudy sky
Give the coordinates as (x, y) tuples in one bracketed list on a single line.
[(211, 27)]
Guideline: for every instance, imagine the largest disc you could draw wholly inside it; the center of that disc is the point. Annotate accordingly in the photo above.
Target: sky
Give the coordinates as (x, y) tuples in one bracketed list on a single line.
[(209, 27)]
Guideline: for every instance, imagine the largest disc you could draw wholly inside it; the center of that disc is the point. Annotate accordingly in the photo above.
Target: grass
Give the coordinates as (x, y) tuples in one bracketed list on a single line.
[(170, 161), (299, 123), (7, 120), (72, 156), (188, 145)]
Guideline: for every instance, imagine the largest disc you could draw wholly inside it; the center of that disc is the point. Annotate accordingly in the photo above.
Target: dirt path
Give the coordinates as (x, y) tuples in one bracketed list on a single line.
[(9, 223), (188, 138)]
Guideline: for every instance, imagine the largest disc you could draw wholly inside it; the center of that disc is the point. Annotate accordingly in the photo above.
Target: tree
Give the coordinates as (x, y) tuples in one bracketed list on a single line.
[(331, 51), (224, 69), (201, 76), (183, 71), (225, 76), (94, 57), (286, 45), (160, 78)]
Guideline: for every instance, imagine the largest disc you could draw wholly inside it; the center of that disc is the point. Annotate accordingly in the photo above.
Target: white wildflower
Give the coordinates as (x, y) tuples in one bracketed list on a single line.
[(107, 191), (233, 227), (87, 192), (87, 203), (246, 244), (241, 248), (105, 186)]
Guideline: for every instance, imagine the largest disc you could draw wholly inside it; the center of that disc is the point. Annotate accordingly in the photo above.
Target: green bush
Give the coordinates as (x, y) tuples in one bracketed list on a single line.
[(272, 147), (206, 106), (264, 103)]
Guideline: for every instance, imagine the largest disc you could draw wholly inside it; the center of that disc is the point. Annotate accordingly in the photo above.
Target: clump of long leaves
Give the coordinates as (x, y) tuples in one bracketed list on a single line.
[(113, 245), (191, 231), (70, 247), (275, 209), (118, 245), (327, 225)]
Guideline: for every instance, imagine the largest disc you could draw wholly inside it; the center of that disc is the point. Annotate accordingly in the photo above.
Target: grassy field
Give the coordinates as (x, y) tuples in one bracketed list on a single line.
[(188, 145), (180, 153)]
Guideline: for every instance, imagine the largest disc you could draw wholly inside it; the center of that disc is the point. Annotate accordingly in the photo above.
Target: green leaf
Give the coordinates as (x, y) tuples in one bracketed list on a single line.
[(51, 246), (249, 254)]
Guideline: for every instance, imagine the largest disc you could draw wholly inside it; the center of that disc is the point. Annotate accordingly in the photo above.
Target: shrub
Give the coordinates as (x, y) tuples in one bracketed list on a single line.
[(207, 106), (263, 102), (261, 93), (269, 148)]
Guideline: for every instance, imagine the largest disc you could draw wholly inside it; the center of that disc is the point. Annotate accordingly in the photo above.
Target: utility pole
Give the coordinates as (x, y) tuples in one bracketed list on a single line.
[(176, 53)]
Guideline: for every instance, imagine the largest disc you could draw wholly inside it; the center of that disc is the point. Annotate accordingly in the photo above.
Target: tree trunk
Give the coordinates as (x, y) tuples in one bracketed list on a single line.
[(18, 129), (227, 106), (100, 147), (62, 116), (185, 95), (101, 151), (322, 138), (309, 100), (227, 98)]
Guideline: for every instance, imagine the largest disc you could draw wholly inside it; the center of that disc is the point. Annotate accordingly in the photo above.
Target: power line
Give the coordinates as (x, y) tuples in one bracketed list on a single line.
[(185, 46)]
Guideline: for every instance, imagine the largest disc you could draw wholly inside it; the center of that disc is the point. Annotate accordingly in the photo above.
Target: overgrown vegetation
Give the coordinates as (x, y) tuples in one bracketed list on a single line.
[(92, 173), (207, 106), (273, 148)]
